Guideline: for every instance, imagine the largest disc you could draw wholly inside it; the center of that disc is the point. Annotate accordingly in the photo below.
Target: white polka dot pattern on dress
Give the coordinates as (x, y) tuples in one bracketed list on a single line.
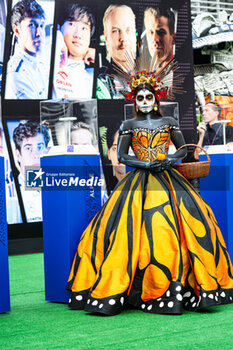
[(170, 304), (178, 288), (112, 302), (94, 303), (100, 306), (187, 295), (122, 300), (179, 297), (79, 297), (161, 304), (149, 307)]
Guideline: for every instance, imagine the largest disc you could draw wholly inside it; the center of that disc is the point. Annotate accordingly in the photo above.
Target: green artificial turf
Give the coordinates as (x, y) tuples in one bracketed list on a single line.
[(34, 323)]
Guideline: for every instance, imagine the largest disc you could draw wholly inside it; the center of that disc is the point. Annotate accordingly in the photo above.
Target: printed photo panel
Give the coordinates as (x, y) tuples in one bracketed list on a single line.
[(29, 56), (28, 141), (75, 51), (108, 137), (135, 35), (3, 13), (71, 122)]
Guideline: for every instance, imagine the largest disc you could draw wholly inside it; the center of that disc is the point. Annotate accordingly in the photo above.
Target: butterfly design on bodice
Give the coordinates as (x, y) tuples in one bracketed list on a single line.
[(149, 145)]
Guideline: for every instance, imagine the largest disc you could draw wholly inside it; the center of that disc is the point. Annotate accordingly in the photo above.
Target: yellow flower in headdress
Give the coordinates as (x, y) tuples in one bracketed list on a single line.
[(135, 83), (152, 81), (151, 78), (143, 80)]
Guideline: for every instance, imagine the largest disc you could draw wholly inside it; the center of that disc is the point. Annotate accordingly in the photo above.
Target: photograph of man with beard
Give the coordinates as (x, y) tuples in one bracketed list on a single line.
[(160, 30), (119, 25)]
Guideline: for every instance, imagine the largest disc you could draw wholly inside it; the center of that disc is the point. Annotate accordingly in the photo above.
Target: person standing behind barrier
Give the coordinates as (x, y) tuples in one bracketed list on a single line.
[(210, 130)]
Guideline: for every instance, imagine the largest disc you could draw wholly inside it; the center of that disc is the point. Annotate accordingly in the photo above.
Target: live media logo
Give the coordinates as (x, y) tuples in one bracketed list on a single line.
[(34, 178), (72, 178)]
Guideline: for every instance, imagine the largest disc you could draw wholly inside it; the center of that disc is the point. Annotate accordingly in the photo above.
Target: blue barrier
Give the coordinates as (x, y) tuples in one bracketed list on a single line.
[(217, 190), (4, 271), (67, 211)]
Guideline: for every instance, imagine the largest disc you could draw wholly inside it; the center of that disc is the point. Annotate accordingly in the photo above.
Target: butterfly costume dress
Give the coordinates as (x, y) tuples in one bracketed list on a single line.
[(154, 245)]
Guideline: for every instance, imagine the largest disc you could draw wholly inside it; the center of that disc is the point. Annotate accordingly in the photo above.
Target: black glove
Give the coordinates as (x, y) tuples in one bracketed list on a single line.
[(166, 164), (160, 165)]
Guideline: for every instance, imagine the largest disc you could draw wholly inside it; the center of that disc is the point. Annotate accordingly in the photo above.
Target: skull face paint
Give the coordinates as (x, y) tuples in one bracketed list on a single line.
[(145, 101)]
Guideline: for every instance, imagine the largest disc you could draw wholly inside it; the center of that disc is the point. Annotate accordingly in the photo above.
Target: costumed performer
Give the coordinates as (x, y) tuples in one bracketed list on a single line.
[(155, 244)]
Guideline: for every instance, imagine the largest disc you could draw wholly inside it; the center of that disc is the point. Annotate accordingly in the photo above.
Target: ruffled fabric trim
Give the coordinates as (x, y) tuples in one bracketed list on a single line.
[(151, 131)]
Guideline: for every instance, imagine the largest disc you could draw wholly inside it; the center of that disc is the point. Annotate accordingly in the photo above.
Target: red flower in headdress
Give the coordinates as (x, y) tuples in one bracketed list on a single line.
[(130, 96)]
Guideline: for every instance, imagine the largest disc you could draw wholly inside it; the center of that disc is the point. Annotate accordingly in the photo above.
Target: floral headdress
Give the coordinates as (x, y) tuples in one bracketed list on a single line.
[(144, 70), (145, 77)]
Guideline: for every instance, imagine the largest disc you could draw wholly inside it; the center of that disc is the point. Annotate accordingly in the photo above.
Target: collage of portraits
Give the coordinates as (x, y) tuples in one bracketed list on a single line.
[(57, 51)]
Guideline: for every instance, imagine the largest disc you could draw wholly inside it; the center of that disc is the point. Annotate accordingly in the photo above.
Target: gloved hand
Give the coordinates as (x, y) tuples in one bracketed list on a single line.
[(160, 165), (166, 163)]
